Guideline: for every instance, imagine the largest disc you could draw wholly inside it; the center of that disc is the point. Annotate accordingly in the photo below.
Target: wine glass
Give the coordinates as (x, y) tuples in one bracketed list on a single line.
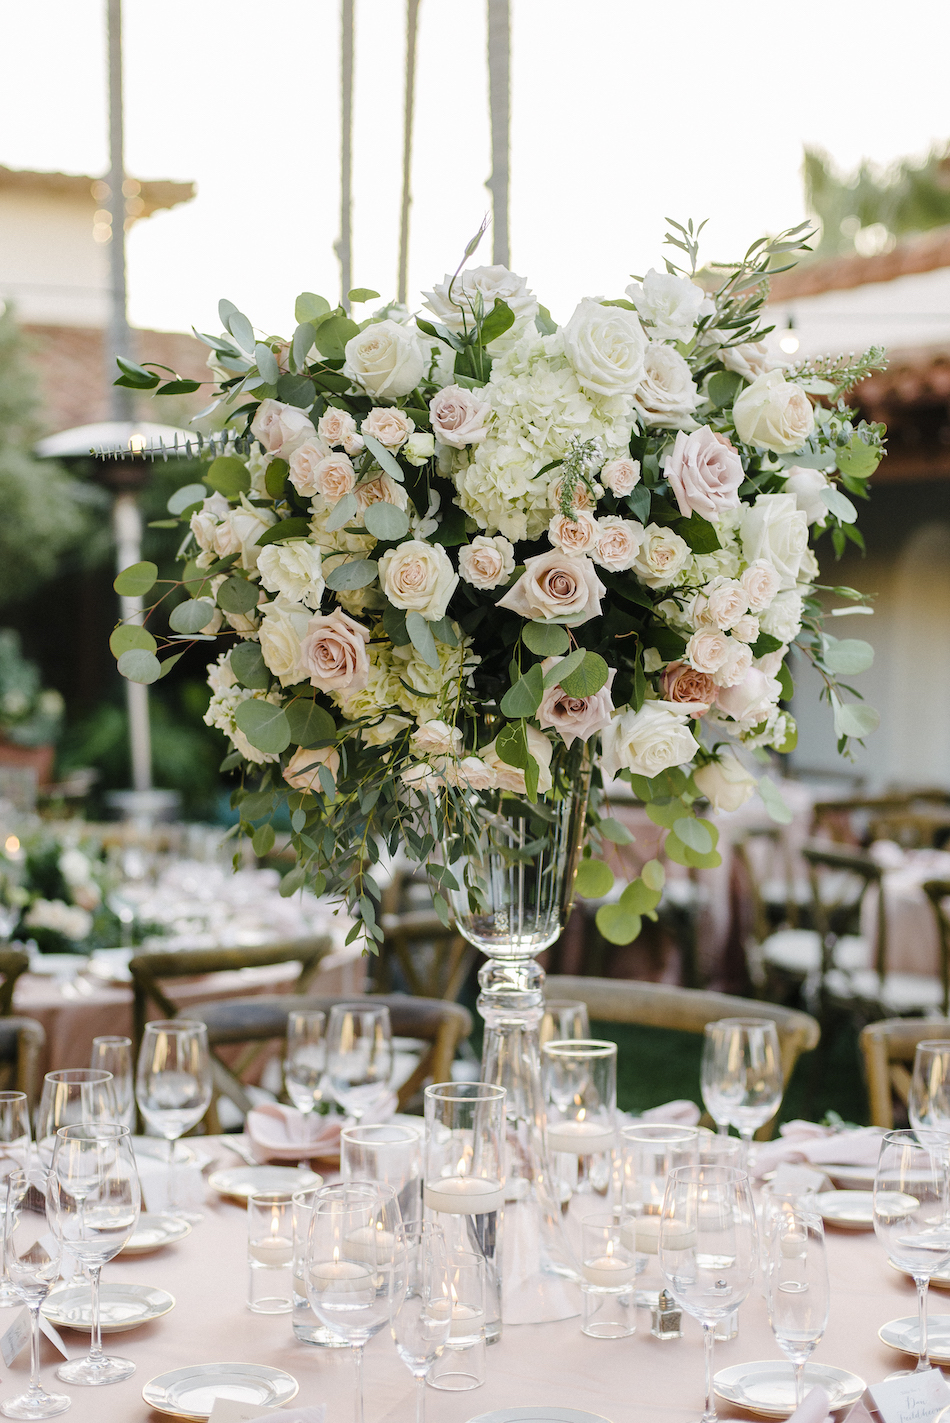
[(350, 1257), (910, 1214), (15, 1143), (797, 1285), (33, 1258), (114, 1055), (173, 1087), (95, 1200), (707, 1249), (359, 1057), (420, 1302), (69, 1096), (305, 1059), (743, 1075)]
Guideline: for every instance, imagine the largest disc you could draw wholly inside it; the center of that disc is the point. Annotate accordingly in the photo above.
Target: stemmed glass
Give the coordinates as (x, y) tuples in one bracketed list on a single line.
[(742, 1074), (305, 1059), (95, 1200), (359, 1057), (173, 1087), (708, 1248), (69, 1096), (33, 1258), (420, 1302), (14, 1156), (910, 1214), (797, 1285), (350, 1256), (114, 1054)]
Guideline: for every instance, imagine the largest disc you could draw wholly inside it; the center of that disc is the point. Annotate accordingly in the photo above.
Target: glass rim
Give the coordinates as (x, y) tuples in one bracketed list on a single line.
[(580, 1047), (600, 1220), (272, 1197), (763, 1022), (114, 1039), (942, 1043), (464, 1092), (716, 1175), (905, 1136), (72, 1132), (13, 1096), (408, 1134), (364, 1192), (562, 1004), (70, 1076), (175, 1025), (674, 1133)]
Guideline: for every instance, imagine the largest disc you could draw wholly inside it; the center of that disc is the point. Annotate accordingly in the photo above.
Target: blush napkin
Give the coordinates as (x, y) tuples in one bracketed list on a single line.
[(280, 1133), (814, 1407), (820, 1146)]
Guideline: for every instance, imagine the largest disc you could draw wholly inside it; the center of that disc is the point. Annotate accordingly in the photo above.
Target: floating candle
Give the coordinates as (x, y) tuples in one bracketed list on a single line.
[(370, 1244), (608, 1271), (467, 1321), (274, 1251), (341, 1277), (580, 1138), (464, 1195), (642, 1233)]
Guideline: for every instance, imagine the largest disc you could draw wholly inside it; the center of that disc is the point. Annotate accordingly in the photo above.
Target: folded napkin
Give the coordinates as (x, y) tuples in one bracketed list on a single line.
[(807, 1141), (814, 1407), (681, 1113), (279, 1133), (230, 1410)]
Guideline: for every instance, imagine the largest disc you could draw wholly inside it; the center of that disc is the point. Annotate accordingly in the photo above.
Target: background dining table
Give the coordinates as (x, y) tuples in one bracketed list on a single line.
[(629, 1380)]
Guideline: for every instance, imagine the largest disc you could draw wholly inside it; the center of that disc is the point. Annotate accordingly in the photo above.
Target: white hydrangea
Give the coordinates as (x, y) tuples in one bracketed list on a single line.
[(227, 696)]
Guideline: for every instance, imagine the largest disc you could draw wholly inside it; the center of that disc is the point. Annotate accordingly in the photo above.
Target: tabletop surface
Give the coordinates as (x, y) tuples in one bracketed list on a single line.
[(631, 1379)]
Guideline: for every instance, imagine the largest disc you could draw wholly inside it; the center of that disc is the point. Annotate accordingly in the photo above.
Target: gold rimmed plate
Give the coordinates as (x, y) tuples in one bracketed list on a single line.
[(239, 1182), (153, 1231), (768, 1387), (904, 1335), (190, 1392), (847, 1210), (121, 1307)]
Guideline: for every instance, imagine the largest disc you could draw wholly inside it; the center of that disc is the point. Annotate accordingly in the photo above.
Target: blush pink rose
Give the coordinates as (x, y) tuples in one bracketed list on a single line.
[(459, 418), (556, 585), (334, 477), (281, 428), (682, 683), (618, 543), (752, 699), (621, 476), (303, 769), (304, 463), (337, 427), (704, 473), (574, 535), (389, 426), (575, 718), (333, 653)]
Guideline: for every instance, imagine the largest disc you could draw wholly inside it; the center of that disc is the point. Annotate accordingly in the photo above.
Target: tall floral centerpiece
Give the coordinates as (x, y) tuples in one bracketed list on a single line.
[(465, 564)]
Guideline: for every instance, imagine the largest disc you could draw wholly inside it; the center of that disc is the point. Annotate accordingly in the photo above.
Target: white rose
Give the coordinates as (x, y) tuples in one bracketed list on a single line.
[(418, 577), (283, 626), (707, 650), (457, 312), (606, 346), (293, 569), (385, 731), (387, 359), (304, 463), (783, 617), (280, 428), (775, 529), (510, 778), (337, 427), (435, 738), (726, 602), (750, 360), (621, 476), (556, 585), (459, 418), (761, 583), (667, 395), (773, 414), (390, 427), (806, 485), (648, 741), (746, 629), (204, 521), (577, 535), (751, 700), (673, 304), (725, 783), (471, 773), (618, 543), (661, 556), (771, 663), (419, 448), (240, 531), (485, 563), (737, 662)]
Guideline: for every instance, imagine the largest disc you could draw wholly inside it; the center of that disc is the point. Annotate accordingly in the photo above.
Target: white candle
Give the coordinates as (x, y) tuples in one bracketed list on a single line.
[(274, 1250), (464, 1195), (341, 1277), (371, 1244), (608, 1272), (467, 1321), (580, 1138), (642, 1234)]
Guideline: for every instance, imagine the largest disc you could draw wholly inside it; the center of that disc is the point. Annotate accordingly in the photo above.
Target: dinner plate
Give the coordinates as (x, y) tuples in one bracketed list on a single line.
[(242, 1181), (538, 1414), (940, 1279), (153, 1231), (768, 1387), (848, 1210), (191, 1392), (156, 1148), (904, 1334), (849, 1178), (121, 1307)]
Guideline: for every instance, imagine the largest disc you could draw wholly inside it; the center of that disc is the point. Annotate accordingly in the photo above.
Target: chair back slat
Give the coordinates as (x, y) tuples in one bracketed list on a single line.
[(12, 963), (937, 891), (888, 1047)]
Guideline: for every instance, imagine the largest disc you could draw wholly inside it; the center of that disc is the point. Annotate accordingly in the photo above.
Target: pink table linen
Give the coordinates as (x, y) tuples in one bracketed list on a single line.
[(638, 1380), (913, 944)]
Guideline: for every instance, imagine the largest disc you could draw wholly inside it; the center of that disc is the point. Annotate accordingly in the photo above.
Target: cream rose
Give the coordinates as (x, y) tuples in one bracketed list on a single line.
[(606, 346), (704, 473), (726, 602), (485, 562), (736, 664), (390, 427), (334, 477), (204, 521), (661, 556), (775, 530), (510, 778), (283, 625), (618, 543), (387, 359), (383, 489), (581, 497), (575, 718), (806, 485), (418, 577), (385, 731), (747, 628), (459, 418), (667, 394), (303, 769), (333, 653), (239, 532), (304, 463), (751, 359), (752, 700), (682, 683), (457, 311), (573, 535), (435, 738), (419, 448), (648, 741), (293, 569), (673, 304), (707, 650), (725, 783), (773, 414), (337, 427), (280, 428), (761, 583), (783, 617), (621, 476), (556, 586), (471, 773)]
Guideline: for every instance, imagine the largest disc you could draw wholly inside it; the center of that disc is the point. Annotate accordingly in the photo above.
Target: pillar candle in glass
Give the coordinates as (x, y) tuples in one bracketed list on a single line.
[(307, 1327), (389, 1153), (464, 1176), (608, 1273), (580, 1088), (462, 1363), (650, 1153), (270, 1252)]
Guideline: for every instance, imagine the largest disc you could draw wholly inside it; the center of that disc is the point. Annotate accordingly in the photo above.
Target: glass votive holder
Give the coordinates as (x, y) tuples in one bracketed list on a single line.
[(306, 1326), (608, 1273), (563, 1019), (580, 1088), (719, 1150), (270, 1252), (650, 1152), (390, 1154), (462, 1363)]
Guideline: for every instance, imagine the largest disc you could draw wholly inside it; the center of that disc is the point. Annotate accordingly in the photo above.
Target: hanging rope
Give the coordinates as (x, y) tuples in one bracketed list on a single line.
[(412, 26), (499, 103), (344, 244)]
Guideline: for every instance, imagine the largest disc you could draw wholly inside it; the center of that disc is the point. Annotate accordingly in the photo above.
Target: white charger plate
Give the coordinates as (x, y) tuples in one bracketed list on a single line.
[(153, 1231), (242, 1181), (538, 1414), (848, 1210), (904, 1335), (190, 1392), (121, 1307), (849, 1178), (156, 1149), (940, 1280), (768, 1387)]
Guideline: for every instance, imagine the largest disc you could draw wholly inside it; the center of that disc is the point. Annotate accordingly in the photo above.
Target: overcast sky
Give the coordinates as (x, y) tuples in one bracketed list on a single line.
[(623, 112)]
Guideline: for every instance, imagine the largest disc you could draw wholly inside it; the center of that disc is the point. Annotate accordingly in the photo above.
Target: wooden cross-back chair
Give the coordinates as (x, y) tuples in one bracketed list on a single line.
[(433, 958), (12, 964), (888, 1048), (21, 1042), (938, 891)]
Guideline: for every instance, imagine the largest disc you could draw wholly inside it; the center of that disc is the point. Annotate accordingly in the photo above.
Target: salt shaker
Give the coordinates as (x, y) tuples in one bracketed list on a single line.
[(666, 1320)]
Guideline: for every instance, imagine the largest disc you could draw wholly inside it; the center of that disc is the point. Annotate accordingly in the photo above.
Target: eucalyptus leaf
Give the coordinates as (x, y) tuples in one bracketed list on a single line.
[(594, 879), (849, 656), (524, 698), (360, 294), (694, 833), (286, 529), (639, 898), (356, 574), (310, 308), (511, 744), (665, 813), (385, 521), (242, 331), (229, 475), (857, 459), (265, 726), (262, 840), (332, 335), (545, 639), (838, 504), (275, 477), (170, 662), (420, 635), (554, 677), (295, 879), (136, 580), (773, 802), (237, 595), (302, 344), (138, 665), (616, 833), (855, 718), (342, 512), (297, 390), (723, 388), (183, 498), (653, 874), (192, 615), (587, 678), (384, 458), (128, 636), (618, 925), (309, 724), (247, 663), (443, 631), (267, 363)]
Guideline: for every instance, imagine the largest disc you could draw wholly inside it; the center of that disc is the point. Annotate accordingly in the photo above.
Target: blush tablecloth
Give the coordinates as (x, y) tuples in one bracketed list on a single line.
[(637, 1380)]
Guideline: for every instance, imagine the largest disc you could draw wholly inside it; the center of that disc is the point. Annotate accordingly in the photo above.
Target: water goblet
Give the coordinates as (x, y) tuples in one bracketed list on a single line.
[(742, 1074), (305, 1059), (707, 1249), (173, 1087), (114, 1054), (72, 1095), (32, 1253), (359, 1057), (15, 1145), (797, 1284), (95, 1201), (910, 1214), (420, 1302)]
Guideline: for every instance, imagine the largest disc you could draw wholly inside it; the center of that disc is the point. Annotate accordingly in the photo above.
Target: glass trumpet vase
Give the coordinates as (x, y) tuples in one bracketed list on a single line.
[(516, 879)]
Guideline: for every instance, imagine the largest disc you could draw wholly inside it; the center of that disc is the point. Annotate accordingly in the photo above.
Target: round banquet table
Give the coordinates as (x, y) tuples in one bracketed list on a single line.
[(635, 1380)]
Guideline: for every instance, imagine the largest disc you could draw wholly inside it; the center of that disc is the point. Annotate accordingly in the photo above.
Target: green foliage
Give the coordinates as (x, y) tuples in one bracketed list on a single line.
[(865, 209), (136, 580), (594, 879), (29, 714)]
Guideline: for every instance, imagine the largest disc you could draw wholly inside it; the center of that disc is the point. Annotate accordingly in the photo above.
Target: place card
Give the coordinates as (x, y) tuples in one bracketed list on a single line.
[(915, 1399), (797, 1180), (231, 1410), (15, 1337)]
